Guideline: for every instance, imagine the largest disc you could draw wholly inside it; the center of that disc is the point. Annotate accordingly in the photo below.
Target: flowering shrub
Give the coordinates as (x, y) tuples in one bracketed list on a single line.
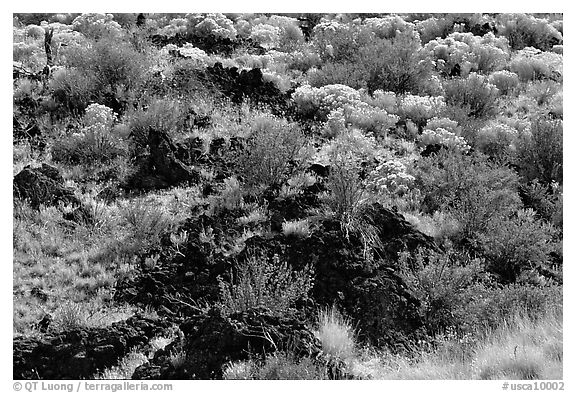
[(440, 136), (447, 124), (30, 54), (420, 109), (265, 35), (530, 64), (432, 28), (94, 143), (216, 25), (525, 30), (504, 80), (98, 116), (277, 31), (338, 41), (34, 32), (195, 55), (390, 178), (176, 26), (496, 140), (259, 281), (325, 99), (340, 106), (387, 27), (97, 25), (469, 52)]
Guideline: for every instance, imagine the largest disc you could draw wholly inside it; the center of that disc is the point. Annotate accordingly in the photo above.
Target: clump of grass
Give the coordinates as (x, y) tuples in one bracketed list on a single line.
[(125, 368), (523, 349), (336, 334), (520, 348), (298, 228), (277, 366)]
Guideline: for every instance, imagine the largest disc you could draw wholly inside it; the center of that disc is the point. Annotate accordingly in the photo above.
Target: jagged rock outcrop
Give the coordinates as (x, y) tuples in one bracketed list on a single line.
[(212, 340), (367, 287), (162, 168), (42, 186), (80, 353)]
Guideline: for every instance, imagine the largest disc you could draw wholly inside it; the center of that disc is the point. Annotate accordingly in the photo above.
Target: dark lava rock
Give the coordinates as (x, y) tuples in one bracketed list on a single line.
[(212, 340), (162, 168), (368, 289), (249, 84), (42, 186), (79, 354), (180, 280), (432, 149)]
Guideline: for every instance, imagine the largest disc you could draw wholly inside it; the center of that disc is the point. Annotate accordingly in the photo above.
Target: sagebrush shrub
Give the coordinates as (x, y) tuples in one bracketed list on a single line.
[(519, 244), (475, 94), (261, 281), (116, 69), (472, 189), (505, 81), (525, 30), (444, 283), (540, 151), (161, 114), (271, 153)]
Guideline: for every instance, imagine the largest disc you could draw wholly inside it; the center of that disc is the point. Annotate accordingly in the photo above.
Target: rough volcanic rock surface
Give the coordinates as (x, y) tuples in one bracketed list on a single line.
[(79, 354), (162, 168), (368, 289), (212, 340), (42, 186), (249, 84), (179, 280)]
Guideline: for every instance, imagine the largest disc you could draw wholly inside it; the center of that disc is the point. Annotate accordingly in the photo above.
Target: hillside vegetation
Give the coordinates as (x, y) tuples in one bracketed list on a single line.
[(295, 196)]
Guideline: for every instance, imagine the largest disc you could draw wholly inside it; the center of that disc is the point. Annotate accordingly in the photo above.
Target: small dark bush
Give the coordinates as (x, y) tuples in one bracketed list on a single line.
[(540, 152)]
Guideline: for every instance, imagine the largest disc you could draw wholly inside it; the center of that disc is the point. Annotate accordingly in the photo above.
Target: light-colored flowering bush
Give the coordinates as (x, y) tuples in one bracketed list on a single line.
[(496, 140), (341, 106), (526, 30), (215, 24), (471, 53), (35, 31), (386, 100), (29, 54), (505, 81), (98, 116), (94, 143), (445, 123), (370, 119), (96, 25), (420, 109), (443, 137), (388, 26), (530, 63), (176, 26), (265, 35), (338, 41), (196, 55), (390, 178), (276, 31), (433, 28), (325, 99), (243, 28), (282, 82)]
